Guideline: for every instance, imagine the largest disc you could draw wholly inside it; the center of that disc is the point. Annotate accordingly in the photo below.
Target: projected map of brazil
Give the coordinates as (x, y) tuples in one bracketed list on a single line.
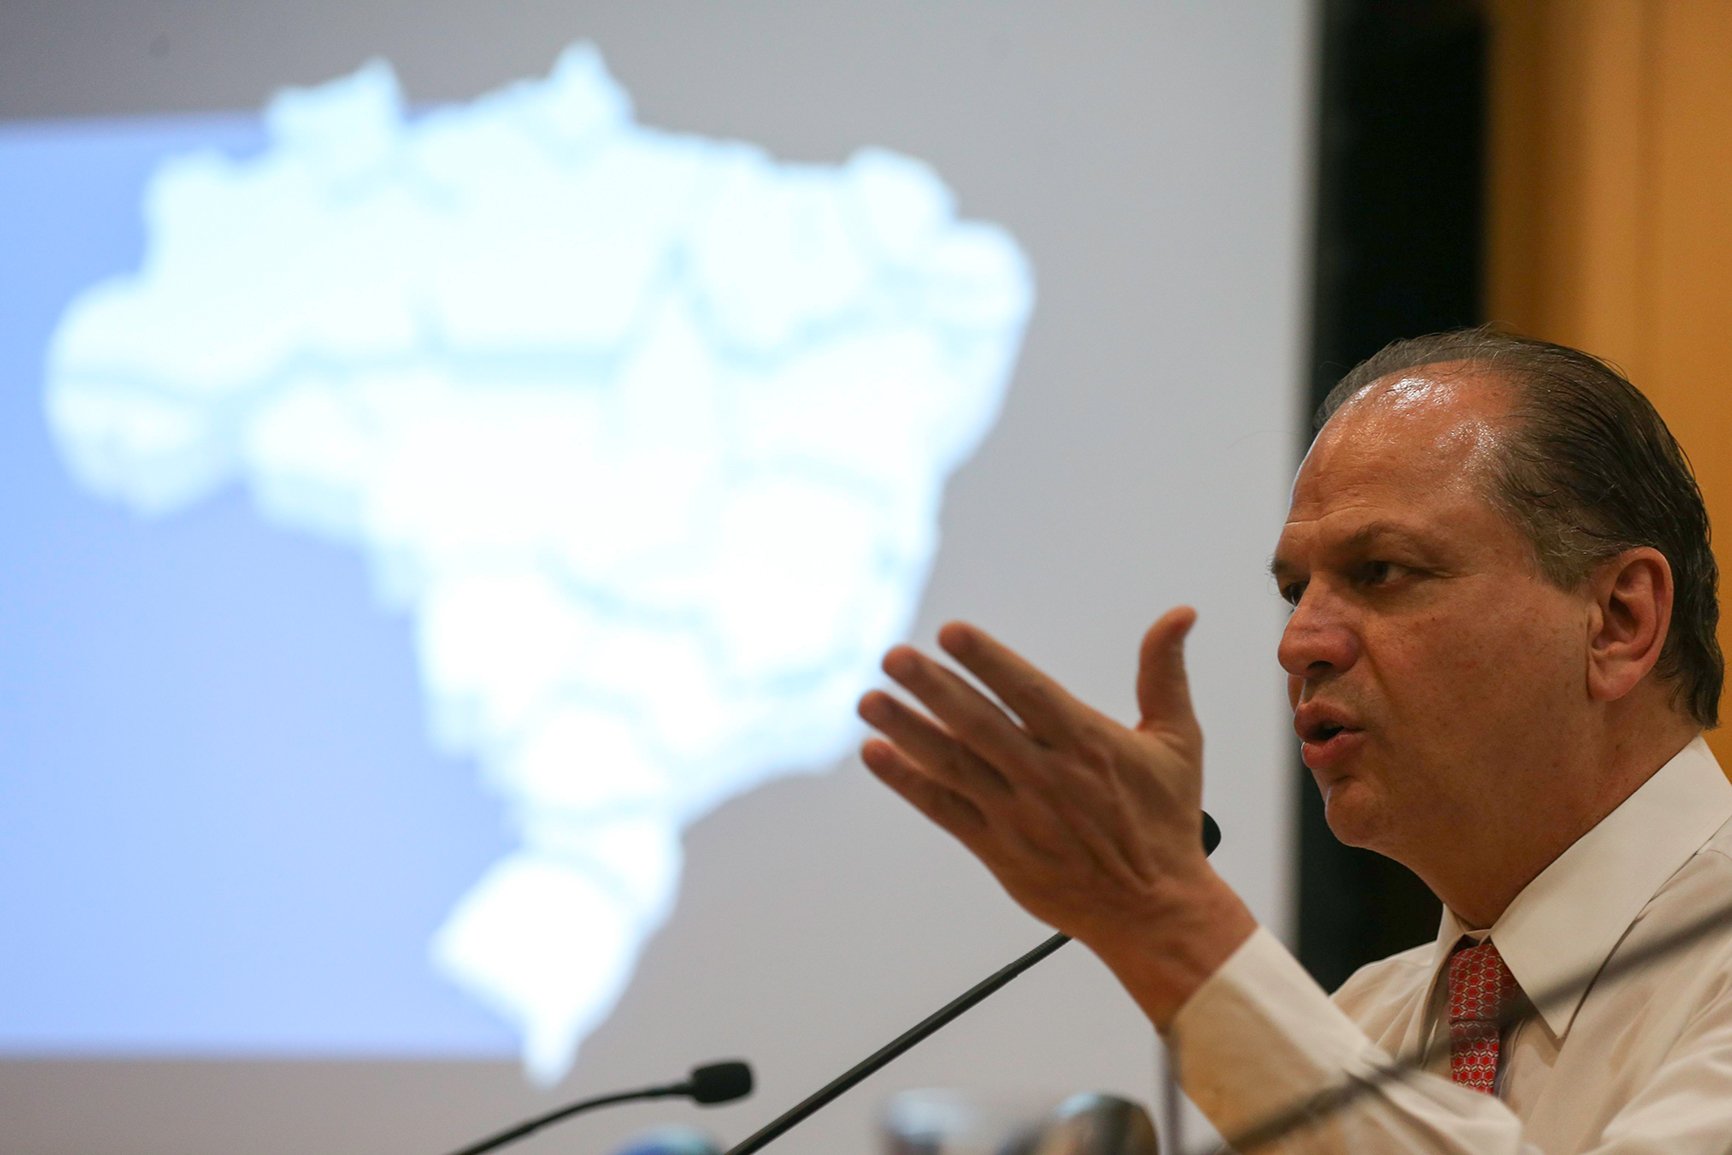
[(645, 433)]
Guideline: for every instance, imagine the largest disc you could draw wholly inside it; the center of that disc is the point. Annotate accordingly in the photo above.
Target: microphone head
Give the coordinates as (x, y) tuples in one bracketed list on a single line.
[(1097, 1125), (1211, 834), (720, 1082)]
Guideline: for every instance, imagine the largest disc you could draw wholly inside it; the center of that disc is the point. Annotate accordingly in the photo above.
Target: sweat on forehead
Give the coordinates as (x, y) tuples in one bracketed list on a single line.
[(1456, 410)]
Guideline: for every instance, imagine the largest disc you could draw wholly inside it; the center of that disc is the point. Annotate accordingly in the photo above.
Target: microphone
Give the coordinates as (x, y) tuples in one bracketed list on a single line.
[(917, 1033), (1095, 1124), (710, 1084), (717, 1083)]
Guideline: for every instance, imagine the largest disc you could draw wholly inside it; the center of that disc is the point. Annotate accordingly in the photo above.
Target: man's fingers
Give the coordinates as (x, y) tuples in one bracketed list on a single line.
[(973, 718), (1163, 690), (930, 747), (1046, 708), (948, 809)]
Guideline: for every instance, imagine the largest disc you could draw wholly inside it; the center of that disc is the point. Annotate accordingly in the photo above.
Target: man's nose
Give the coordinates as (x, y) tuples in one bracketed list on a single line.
[(1318, 640)]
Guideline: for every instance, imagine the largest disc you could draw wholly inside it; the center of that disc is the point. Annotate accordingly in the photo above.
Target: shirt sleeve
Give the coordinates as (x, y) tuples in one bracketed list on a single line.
[(1260, 1039)]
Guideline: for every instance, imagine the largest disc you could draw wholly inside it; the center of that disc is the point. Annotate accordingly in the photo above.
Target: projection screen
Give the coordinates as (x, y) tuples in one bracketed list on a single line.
[(461, 462)]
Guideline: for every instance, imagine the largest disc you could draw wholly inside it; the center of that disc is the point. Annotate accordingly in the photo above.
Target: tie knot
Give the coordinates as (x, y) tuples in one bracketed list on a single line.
[(1481, 987)]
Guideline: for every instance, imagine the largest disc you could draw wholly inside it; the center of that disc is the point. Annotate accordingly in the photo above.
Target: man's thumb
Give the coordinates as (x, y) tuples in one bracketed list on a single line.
[(1163, 692)]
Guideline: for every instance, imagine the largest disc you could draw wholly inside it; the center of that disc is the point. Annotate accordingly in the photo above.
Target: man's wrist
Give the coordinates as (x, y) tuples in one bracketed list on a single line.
[(1162, 961)]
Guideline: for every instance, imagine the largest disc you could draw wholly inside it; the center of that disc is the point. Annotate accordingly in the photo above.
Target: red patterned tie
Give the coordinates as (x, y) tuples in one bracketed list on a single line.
[(1480, 990)]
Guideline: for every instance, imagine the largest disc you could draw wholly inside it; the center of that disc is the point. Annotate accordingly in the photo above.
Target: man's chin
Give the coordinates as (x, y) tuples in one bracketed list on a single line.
[(1353, 816)]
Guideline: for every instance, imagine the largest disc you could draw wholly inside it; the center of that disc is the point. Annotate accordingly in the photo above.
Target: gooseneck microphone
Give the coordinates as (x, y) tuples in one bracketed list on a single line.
[(717, 1083), (709, 1084), (727, 1081), (915, 1034)]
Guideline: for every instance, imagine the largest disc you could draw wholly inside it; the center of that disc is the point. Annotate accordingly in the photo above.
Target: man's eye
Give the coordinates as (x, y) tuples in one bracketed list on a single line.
[(1376, 573), (1292, 592)]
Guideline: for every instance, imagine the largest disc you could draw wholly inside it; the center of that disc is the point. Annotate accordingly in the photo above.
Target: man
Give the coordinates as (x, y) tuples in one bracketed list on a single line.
[(1501, 656)]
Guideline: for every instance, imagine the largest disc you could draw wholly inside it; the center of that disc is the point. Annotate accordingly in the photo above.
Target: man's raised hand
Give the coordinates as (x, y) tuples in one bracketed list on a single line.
[(1092, 826)]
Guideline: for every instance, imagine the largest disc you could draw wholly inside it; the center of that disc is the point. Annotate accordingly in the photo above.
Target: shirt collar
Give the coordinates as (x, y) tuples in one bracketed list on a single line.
[(1564, 924)]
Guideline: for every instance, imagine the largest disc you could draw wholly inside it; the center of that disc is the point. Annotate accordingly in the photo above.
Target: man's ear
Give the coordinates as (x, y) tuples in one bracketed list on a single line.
[(1632, 613)]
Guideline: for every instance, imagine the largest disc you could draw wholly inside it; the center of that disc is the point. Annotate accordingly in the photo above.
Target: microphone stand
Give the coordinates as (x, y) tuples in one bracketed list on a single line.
[(929, 1025), (555, 1116), (883, 1055), (712, 1083)]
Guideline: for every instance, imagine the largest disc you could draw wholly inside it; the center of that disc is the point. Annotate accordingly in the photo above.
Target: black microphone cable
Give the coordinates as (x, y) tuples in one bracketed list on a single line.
[(724, 1082), (712, 1083), (919, 1031), (907, 1039)]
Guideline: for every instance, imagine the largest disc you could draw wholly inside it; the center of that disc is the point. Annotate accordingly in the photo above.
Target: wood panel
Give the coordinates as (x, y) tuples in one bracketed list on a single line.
[(1610, 208)]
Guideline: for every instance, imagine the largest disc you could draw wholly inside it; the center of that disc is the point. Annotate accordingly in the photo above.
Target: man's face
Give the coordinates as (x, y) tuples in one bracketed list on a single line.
[(1436, 677)]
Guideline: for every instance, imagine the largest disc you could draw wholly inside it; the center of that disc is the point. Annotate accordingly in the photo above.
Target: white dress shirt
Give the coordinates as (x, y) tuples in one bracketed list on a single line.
[(1625, 1062)]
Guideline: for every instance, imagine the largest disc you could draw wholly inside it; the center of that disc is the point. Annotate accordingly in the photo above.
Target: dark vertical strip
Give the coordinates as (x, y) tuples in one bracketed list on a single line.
[(1401, 176)]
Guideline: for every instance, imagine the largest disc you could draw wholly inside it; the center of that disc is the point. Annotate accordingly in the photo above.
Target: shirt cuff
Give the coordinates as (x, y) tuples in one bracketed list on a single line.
[(1260, 1037)]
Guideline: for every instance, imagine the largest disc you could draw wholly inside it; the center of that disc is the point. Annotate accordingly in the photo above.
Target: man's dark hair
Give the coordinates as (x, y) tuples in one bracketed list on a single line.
[(1586, 469)]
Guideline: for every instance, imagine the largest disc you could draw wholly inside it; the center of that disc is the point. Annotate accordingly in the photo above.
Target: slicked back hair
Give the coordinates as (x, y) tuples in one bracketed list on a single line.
[(1586, 469)]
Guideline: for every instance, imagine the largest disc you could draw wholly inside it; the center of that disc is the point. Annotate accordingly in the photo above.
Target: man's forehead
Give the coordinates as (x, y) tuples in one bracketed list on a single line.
[(1434, 391), (1418, 440), (1443, 418)]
